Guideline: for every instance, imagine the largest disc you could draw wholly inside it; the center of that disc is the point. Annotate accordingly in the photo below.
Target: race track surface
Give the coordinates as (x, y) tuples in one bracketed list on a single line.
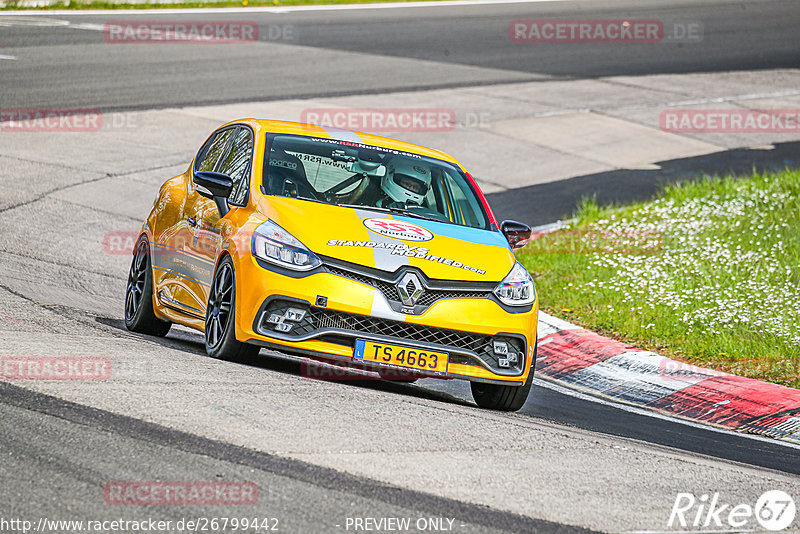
[(67, 62), (325, 451)]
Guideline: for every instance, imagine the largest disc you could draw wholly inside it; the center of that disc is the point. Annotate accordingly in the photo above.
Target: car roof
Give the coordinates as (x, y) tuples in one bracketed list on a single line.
[(301, 128)]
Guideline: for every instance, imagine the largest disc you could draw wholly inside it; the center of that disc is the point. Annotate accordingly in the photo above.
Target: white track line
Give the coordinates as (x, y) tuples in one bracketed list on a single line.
[(13, 58), (276, 9)]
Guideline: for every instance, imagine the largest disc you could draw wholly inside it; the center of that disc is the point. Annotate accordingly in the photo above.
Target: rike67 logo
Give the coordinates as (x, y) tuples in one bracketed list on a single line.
[(774, 511)]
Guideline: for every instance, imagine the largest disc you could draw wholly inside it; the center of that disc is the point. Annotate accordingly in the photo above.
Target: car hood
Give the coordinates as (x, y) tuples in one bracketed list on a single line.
[(387, 241)]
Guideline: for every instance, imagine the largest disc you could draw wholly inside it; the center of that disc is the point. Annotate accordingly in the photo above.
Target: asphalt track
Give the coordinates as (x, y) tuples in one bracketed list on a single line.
[(54, 448), (70, 65)]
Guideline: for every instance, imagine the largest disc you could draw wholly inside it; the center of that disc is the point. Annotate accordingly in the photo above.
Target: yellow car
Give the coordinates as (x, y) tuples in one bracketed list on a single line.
[(340, 246)]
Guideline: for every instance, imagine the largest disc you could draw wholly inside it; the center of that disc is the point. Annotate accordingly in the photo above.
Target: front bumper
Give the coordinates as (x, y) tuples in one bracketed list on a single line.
[(340, 308)]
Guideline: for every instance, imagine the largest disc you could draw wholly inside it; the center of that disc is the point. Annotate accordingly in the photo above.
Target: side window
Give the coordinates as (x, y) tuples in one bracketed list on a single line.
[(237, 165), (213, 150), (468, 212)]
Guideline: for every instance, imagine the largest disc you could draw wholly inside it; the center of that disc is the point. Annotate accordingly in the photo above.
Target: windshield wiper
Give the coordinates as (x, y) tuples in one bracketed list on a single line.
[(401, 211), (359, 206), (396, 211)]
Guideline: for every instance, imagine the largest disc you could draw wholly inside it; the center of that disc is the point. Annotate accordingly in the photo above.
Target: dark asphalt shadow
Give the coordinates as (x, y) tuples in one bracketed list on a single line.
[(192, 342), (546, 203), (563, 409)]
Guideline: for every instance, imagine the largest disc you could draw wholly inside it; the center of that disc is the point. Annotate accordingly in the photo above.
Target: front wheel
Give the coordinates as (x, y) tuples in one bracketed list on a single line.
[(503, 398), (139, 314), (220, 337)]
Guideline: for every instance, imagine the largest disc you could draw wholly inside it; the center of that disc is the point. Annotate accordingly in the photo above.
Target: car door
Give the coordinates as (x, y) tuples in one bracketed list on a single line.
[(189, 274), (204, 245)]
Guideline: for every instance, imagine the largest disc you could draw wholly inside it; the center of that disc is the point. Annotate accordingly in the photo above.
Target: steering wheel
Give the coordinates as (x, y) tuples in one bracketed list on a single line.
[(331, 193), (302, 190)]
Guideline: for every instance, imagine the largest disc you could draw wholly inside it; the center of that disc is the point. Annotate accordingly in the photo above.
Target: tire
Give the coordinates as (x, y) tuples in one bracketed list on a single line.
[(220, 333), (503, 398), (139, 314)]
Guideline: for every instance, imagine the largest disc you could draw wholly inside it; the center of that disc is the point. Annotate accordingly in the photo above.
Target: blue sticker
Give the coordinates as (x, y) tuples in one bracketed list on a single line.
[(455, 231), (358, 354)]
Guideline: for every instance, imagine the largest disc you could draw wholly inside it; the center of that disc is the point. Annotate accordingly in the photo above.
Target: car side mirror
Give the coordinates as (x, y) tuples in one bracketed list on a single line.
[(216, 186), (517, 233)]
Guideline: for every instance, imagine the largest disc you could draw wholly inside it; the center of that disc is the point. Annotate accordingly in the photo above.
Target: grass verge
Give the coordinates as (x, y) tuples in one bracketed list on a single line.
[(708, 273), (102, 4)]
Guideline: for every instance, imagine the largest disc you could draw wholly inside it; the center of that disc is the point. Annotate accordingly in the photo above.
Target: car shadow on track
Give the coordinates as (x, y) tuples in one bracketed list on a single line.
[(546, 203), (187, 340)]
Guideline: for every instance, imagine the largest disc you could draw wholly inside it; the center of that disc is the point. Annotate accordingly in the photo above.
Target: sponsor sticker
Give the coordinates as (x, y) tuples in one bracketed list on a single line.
[(398, 229), (401, 249)]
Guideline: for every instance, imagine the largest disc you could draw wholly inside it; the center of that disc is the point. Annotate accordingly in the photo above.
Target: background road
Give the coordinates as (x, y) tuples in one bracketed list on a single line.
[(322, 451), (68, 63)]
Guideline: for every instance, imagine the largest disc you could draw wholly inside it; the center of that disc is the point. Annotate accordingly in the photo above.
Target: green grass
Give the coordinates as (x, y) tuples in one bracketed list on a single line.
[(708, 273), (102, 4)]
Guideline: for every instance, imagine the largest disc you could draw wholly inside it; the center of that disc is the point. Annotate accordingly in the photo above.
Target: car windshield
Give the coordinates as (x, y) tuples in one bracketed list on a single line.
[(357, 175)]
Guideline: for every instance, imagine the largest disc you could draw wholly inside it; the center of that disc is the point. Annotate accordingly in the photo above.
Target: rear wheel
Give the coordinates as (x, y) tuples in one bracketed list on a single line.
[(139, 314), (220, 337), (503, 398)]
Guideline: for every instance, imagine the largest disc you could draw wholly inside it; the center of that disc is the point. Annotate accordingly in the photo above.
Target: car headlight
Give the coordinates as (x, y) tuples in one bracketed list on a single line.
[(274, 244), (517, 287)]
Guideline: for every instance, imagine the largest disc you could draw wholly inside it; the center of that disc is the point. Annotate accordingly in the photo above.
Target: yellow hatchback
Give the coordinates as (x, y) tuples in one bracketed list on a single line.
[(340, 246)]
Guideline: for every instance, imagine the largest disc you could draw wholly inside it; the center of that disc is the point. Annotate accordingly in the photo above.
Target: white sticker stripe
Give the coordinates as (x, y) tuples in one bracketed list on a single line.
[(342, 135), (380, 308), (385, 261)]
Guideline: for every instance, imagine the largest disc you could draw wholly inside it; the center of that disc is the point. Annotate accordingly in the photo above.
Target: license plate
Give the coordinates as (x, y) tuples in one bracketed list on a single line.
[(412, 358)]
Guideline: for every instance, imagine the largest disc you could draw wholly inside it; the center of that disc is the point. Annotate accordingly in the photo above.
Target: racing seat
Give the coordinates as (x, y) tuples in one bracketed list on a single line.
[(287, 176)]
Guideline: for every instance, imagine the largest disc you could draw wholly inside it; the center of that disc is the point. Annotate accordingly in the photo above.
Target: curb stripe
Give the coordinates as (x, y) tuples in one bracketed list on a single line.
[(730, 401), (606, 368)]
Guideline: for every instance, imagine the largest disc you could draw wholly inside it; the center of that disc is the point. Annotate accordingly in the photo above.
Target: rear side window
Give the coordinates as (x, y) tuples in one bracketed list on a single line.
[(213, 149), (236, 164)]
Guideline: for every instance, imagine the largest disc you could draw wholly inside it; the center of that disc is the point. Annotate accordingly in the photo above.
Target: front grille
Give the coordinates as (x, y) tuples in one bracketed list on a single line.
[(428, 297), (343, 328), (412, 332), (432, 295)]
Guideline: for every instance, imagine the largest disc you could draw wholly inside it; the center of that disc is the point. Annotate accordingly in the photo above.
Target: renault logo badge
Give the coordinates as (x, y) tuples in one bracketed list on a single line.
[(410, 289)]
